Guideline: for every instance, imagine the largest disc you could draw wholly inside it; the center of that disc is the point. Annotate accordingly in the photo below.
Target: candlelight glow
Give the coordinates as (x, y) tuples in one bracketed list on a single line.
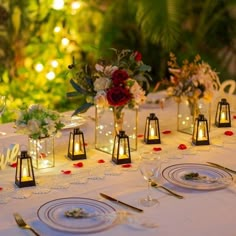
[(58, 4)]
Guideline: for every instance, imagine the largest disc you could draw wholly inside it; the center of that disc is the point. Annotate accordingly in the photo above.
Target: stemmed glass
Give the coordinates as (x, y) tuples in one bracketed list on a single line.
[(149, 167), (2, 108)]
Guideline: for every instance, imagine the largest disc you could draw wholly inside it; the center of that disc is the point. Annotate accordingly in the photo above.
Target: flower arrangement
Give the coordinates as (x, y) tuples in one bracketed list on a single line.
[(38, 122), (193, 80), (116, 85)]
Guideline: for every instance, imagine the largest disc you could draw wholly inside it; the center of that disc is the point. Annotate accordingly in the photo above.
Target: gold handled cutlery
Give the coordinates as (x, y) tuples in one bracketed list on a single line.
[(155, 185), (22, 224)]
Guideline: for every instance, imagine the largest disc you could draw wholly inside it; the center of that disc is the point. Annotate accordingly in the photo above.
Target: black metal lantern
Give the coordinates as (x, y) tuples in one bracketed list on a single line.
[(121, 149), (152, 130), (222, 118), (76, 147), (200, 131), (24, 171)]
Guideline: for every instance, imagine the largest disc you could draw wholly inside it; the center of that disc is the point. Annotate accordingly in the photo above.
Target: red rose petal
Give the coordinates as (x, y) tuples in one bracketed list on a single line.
[(229, 133), (182, 147), (85, 144), (78, 164), (1, 188), (140, 135), (13, 165), (126, 165), (101, 161), (157, 149), (234, 117), (166, 132), (66, 172)]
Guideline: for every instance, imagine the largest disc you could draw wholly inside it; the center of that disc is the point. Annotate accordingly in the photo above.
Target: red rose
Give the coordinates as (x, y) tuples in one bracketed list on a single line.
[(137, 56), (118, 96), (119, 76)]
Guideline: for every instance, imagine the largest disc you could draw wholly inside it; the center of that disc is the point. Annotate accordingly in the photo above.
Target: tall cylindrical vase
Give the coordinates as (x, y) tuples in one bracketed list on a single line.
[(108, 123), (188, 110), (42, 152)]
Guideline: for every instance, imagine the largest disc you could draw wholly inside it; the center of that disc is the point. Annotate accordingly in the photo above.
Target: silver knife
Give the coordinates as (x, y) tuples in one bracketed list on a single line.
[(120, 202), (222, 167)]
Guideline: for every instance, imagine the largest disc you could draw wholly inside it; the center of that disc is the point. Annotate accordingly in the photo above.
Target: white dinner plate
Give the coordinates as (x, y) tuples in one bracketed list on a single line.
[(52, 213), (175, 174)]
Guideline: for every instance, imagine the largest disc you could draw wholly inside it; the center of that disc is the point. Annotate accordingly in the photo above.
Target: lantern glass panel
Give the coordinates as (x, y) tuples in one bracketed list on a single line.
[(222, 118)]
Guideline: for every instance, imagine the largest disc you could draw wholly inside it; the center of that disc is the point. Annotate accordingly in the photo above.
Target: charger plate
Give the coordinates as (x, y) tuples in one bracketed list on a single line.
[(52, 213), (214, 177)]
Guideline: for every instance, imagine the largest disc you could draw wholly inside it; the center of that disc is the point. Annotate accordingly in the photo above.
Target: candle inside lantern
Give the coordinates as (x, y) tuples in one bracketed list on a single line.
[(25, 176), (122, 152), (200, 134), (223, 117), (152, 133), (77, 148)]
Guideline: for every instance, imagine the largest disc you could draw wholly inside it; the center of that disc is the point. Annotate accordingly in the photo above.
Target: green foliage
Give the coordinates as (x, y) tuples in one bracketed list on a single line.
[(29, 38)]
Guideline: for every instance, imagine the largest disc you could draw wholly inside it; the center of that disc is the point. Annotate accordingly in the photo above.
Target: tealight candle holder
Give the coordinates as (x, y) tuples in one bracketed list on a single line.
[(223, 118), (24, 171), (76, 147), (152, 130), (121, 149), (200, 131)]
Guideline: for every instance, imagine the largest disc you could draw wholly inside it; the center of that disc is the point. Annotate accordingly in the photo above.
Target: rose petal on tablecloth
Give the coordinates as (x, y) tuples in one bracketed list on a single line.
[(229, 133), (140, 135), (166, 132), (126, 165), (101, 161), (66, 172), (234, 117), (182, 146), (13, 165), (78, 164), (157, 149), (1, 188)]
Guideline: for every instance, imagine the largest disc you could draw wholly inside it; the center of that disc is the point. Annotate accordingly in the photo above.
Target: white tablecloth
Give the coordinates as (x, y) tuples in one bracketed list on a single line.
[(199, 213)]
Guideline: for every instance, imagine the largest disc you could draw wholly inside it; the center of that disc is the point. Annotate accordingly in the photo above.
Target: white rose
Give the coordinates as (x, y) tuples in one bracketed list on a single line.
[(101, 99), (102, 83)]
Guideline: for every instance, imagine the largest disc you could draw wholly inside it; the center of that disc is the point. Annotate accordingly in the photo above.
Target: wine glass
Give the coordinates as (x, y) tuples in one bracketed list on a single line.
[(149, 167), (2, 108)]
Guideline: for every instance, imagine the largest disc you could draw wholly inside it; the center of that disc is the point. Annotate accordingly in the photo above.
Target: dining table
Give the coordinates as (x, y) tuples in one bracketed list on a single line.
[(207, 207)]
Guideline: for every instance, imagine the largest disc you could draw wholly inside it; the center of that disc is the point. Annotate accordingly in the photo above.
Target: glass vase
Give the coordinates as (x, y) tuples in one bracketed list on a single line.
[(42, 152), (108, 123), (187, 111)]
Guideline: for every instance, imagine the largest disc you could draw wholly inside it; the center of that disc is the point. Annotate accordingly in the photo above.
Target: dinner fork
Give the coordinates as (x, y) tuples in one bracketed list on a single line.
[(155, 185), (22, 224)]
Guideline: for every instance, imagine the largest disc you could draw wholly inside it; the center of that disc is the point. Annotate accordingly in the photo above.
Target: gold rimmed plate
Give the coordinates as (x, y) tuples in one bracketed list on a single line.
[(213, 178), (52, 213)]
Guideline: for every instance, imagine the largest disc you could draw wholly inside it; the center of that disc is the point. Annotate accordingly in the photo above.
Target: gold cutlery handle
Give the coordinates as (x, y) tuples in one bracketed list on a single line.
[(155, 185), (171, 192)]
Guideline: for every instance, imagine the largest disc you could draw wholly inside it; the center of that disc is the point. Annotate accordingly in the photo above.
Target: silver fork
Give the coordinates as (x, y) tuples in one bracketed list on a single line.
[(22, 224)]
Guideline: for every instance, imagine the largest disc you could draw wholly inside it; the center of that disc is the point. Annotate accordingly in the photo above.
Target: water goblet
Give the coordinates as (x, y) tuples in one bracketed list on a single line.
[(149, 167)]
